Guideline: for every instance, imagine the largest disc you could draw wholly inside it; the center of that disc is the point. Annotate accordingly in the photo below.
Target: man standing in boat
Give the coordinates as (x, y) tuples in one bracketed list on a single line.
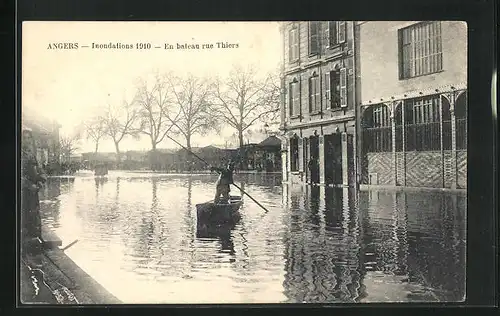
[(223, 182)]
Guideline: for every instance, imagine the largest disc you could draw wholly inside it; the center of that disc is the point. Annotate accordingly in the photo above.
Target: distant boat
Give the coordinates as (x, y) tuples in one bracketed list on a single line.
[(210, 213)]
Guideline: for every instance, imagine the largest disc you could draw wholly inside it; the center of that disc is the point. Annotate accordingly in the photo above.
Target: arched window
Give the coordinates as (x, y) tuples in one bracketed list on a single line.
[(377, 129), (461, 121), (294, 153), (422, 127)]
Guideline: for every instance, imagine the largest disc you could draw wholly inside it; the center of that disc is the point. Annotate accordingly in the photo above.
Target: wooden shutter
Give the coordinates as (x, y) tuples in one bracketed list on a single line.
[(311, 93), (313, 37), (331, 33), (317, 93), (343, 87), (299, 95), (328, 87), (296, 98), (327, 34), (341, 31)]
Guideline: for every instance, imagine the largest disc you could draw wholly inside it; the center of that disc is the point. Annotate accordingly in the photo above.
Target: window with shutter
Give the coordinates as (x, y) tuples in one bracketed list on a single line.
[(317, 95), (311, 94), (314, 94), (294, 98), (341, 32), (335, 89), (343, 87), (331, 33), (313, 37), (327, 34)]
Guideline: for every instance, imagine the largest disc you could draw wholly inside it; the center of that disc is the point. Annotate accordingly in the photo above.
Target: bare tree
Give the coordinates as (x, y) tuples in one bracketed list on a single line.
[(156, 111), (243, 99), (120, 121), (69, 144), (95, 130), (155, 108), (197, 115)]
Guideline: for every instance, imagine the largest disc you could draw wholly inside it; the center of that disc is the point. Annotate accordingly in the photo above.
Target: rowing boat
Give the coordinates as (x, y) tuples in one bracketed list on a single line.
[(219, 213)]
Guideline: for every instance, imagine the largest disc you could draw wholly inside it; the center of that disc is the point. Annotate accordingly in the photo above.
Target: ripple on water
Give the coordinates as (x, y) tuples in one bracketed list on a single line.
[(316, 245)]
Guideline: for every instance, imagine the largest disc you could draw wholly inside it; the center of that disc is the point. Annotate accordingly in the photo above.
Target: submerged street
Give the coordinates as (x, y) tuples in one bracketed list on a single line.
[(137, 236)]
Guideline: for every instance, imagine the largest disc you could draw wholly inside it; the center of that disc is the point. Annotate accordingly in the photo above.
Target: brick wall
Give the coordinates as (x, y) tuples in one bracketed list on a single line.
[(423, 169), (381, 164), (461, 169)]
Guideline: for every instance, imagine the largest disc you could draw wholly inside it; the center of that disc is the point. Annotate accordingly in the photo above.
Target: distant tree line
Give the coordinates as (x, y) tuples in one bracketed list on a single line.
[(168, 106)]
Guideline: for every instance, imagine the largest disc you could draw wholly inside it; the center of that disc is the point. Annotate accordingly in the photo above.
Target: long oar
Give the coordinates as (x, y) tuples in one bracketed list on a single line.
[(265, 209), (203, 160)]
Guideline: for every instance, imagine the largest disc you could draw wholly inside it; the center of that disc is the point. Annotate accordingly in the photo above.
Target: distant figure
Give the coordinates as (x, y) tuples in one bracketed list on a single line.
[(313, 169), (223, 182), (100, 170)]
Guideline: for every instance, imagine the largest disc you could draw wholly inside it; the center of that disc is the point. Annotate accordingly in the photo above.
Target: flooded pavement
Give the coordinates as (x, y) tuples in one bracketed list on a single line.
[(138, 238)]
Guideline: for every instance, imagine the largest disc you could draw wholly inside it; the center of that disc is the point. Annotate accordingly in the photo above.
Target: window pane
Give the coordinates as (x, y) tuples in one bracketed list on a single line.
[(420, 45)]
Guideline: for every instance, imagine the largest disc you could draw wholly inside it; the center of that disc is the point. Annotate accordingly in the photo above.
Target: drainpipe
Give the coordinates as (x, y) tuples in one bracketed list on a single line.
[(284, 167), (356, 110)]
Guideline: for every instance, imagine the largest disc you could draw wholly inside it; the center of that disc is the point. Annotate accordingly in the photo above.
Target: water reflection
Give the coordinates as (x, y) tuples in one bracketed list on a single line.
[(315, 244), (221, 234)]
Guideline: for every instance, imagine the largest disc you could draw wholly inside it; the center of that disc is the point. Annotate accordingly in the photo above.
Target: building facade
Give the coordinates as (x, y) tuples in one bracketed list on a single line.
[(318, 106), (412, 93), (46, 136), (262, 157)]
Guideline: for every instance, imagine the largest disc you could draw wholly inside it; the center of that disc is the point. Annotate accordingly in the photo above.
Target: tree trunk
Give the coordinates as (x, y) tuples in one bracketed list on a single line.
[(118, 158), (240, 138), (154, 158), (188, 154), (242, 153), (188, 142), (96, 146)]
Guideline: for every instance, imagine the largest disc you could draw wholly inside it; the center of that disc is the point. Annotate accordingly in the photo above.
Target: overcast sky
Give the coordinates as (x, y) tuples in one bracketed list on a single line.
[(72, 85)]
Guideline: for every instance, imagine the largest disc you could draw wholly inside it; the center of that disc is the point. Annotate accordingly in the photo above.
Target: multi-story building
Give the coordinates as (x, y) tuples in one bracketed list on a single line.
[(318, 108), (412, 92)]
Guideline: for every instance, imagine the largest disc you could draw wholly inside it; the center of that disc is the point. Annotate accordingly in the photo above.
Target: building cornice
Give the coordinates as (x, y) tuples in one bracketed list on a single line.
[(415, 94), (314, 63), (337, 119)]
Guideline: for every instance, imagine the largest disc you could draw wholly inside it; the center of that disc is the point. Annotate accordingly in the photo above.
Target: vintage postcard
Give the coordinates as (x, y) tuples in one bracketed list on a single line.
[(243, 162)]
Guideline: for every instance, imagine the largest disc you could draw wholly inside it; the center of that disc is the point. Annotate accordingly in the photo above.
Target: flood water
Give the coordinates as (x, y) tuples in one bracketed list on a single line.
[(137, 236)]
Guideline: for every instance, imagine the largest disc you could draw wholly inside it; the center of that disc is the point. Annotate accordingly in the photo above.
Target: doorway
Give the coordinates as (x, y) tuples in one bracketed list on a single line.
[(314, 153), (306, 153), (333, 159)]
